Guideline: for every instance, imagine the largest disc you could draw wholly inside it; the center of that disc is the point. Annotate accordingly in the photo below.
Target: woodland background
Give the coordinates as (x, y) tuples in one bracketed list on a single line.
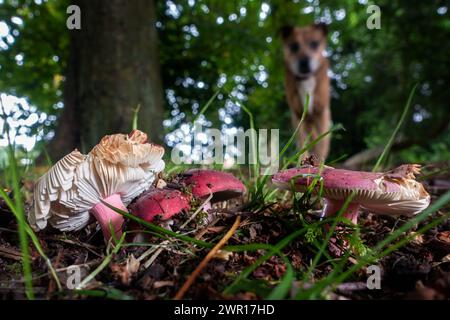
[(65, 89)]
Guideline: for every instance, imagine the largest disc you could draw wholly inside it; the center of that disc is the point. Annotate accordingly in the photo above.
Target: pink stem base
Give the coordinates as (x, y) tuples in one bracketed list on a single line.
[(105, 215), (332, 207)]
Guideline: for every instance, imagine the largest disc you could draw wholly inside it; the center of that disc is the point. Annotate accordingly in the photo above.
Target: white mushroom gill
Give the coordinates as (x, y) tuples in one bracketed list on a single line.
[(409, 199), (56, 185), (395, 192), (117, 170)]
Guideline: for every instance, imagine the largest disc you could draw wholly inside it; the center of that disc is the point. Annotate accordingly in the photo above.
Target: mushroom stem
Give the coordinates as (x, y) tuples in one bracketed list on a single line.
[(106, 215), (332, 207)]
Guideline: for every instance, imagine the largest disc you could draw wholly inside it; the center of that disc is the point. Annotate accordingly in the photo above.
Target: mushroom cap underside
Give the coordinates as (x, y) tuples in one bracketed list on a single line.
[(76, 183), (376, 192)]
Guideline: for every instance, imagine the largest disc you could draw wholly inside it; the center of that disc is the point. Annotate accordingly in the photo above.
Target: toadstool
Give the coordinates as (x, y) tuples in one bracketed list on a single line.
[(162, 203), (391, 193), (116, 171), (213, 185)]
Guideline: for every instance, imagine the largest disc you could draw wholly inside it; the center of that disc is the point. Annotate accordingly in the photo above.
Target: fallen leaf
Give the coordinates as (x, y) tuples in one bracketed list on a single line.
[(444, 236), (223, 255), (160, 284), (161, 184), (125, 272), (417, 238)]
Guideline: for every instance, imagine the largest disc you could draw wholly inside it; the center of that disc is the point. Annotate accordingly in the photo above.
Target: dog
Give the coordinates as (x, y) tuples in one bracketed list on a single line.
[(306, 73)]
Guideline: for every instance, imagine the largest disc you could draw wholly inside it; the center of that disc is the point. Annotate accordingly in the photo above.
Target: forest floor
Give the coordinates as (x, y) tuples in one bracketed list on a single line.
[(418, 270)]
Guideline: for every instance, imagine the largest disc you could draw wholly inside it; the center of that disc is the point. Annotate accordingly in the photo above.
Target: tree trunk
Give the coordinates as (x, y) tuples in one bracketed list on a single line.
[(113, 67)]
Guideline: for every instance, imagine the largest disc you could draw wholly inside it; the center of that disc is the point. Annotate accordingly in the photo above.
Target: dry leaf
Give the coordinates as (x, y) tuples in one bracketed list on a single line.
[(160, 284), (417, 238), (223, 255), (125, 272)]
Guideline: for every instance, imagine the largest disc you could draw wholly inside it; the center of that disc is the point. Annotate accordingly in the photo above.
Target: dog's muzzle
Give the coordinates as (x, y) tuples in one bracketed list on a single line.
[(304, 66)]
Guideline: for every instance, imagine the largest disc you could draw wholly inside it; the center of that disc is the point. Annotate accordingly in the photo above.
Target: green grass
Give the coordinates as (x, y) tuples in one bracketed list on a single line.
[(104, 293), (134, 123), (104, 263), (261, 195), (395, 132), (17, 207)]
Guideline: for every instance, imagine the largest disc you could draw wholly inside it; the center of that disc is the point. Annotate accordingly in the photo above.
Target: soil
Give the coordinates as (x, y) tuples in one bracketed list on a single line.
[(418, 270)]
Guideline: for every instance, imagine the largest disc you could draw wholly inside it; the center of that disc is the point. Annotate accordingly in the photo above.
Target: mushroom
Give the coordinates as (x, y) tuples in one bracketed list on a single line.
[(116, 171), (162, 203), (391, 193), (212, 186)]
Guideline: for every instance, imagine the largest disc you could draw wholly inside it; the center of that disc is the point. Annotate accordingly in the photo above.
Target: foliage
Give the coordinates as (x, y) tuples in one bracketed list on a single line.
[(229, 50), (34, 53), (233, 46)]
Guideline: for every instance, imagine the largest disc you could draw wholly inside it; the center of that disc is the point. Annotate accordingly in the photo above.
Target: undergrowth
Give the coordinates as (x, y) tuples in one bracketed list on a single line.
[(261, 195)]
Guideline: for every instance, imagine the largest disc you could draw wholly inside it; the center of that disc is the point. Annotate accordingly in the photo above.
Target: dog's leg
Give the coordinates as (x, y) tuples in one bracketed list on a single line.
[(307, 134), (323, 124), (295, 118)]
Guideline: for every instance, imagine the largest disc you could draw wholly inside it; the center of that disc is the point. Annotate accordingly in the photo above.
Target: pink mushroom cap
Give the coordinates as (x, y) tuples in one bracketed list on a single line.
[(384, 193), (336, 179), (164, 203), (221, 185)]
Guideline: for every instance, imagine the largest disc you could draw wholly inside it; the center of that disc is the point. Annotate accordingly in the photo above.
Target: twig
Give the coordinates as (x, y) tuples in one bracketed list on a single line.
[(150, 251), (202, 232), (49, 273), (157, 250), (180, 294), (10, 253), (197, 211), (351, 286), (155, 255), (87, 264), (105, 262), (32, 236), (51, 284), (86, 246), (8, 230)]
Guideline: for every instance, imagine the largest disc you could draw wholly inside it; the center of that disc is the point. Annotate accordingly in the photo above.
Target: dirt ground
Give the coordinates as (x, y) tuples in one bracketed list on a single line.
[(419, 270)]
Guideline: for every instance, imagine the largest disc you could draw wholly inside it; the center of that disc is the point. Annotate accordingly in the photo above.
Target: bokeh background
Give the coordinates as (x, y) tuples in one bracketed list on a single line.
[(62, 89)]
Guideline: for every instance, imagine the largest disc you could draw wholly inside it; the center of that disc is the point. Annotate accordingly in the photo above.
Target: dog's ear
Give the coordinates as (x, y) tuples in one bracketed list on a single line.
[(322, 27), (285, 31)]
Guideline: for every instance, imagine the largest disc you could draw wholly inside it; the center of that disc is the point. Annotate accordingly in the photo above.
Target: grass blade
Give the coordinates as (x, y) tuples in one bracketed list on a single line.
[(397, 128), (294, 134), (20, 211), (284, 286), (254, 144), (206, 106), (134, 124), (378, 251), (33, 238), (102, 265)]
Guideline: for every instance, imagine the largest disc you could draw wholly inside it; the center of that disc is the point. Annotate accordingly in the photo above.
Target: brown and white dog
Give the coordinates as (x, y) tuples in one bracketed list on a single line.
[(306, 72)]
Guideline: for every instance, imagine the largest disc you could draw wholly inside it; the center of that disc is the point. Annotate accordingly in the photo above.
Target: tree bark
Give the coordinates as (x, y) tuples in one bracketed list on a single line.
[(113, 67)]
